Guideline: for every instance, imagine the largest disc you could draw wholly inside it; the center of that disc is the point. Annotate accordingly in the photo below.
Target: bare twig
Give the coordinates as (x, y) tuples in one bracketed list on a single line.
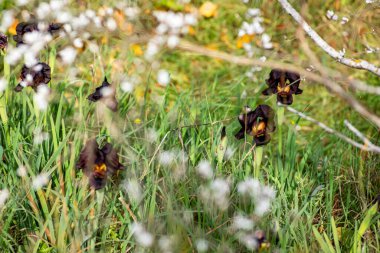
[(354, 63), (367, 146), (330, 84)]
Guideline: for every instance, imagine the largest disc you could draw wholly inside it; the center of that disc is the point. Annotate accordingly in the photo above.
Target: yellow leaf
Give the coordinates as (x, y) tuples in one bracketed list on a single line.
[(12, 28), (208, 9), (243, 40), (137, 50)]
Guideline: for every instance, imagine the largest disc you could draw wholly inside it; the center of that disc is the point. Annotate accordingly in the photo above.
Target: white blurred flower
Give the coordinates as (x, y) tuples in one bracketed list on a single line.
[(143, 237), (40, 181), (240, 222), (43, 10), (369, 1), (166, 244), (22, 171), (57, 5), (344, 20), (133, 189), (39, 136), (7, 20), (266, 41), (330, 14), (151, 135), (68, 55), (131, 12), (229, 153), (163, 77), (204, 169), (3, 84), (201, 245), (151, 50), (22, 2), (78, 43), (41, 97), (127, 86), (111, 24), (253, 12), (4, 195), (166, 158), (249, 241), (173, 41), (262, 195), (216, 193)]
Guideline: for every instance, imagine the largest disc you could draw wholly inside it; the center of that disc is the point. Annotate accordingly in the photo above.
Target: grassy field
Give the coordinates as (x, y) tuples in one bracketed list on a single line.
[(324, 187)]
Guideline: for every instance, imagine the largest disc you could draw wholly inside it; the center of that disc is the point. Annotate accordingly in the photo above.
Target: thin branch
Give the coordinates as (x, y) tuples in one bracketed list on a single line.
[(367, 146), (354, 63), (240, 60)]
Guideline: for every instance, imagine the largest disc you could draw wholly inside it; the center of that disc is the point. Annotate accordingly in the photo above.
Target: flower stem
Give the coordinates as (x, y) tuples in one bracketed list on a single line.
[(3, 109), (258, 155), (280, 120)]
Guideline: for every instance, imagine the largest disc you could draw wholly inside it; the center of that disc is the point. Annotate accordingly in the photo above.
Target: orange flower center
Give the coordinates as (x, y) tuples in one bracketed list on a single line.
[(100, 168), (258, 129)]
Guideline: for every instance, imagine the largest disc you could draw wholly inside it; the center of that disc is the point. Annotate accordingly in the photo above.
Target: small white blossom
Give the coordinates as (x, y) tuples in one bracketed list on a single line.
[(7, 20), (4, 195), (240, 222), (22, 2), (3, 84), (41, 97), (143, 237), (163, 77), (266, 41), (173, 41), (229, 153), (22, 171), (40, 181), (344, 20), (204, 169), (330, 14), (78, 43), (151, 135), (68, 55), (39, 136), (133, 189), (166, 158), (201, 245), (111, 24)]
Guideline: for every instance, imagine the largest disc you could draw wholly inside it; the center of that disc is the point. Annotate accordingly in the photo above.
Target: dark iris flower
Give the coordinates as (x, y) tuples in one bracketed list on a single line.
[(284, 84), (258, 123), (98, 163), (27, 27), (3, 41), (34, 76), (106, 93)]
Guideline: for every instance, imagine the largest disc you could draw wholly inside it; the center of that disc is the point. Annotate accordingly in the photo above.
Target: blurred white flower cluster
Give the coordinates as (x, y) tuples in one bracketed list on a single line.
[(176, 160), (4, 194), (253, 26), (261, 195), (330, 14), (216, 193), (143, 237), (171, 25)]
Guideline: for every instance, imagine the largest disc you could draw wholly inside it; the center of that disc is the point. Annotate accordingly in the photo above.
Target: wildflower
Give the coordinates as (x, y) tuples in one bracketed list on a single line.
[(4, 194), (22, 171), (204, 169), (133, 189), (34, 76), (143, 237), (163, 77), (3, 84), (258, 123), (216, 193), (240, 222), (98, 163), (28, 27), (68, 55), (284, 84), (39, 136), (40, 181), (3, 41), (41, 97), (262, 195), (201, 245), (106, 93)]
